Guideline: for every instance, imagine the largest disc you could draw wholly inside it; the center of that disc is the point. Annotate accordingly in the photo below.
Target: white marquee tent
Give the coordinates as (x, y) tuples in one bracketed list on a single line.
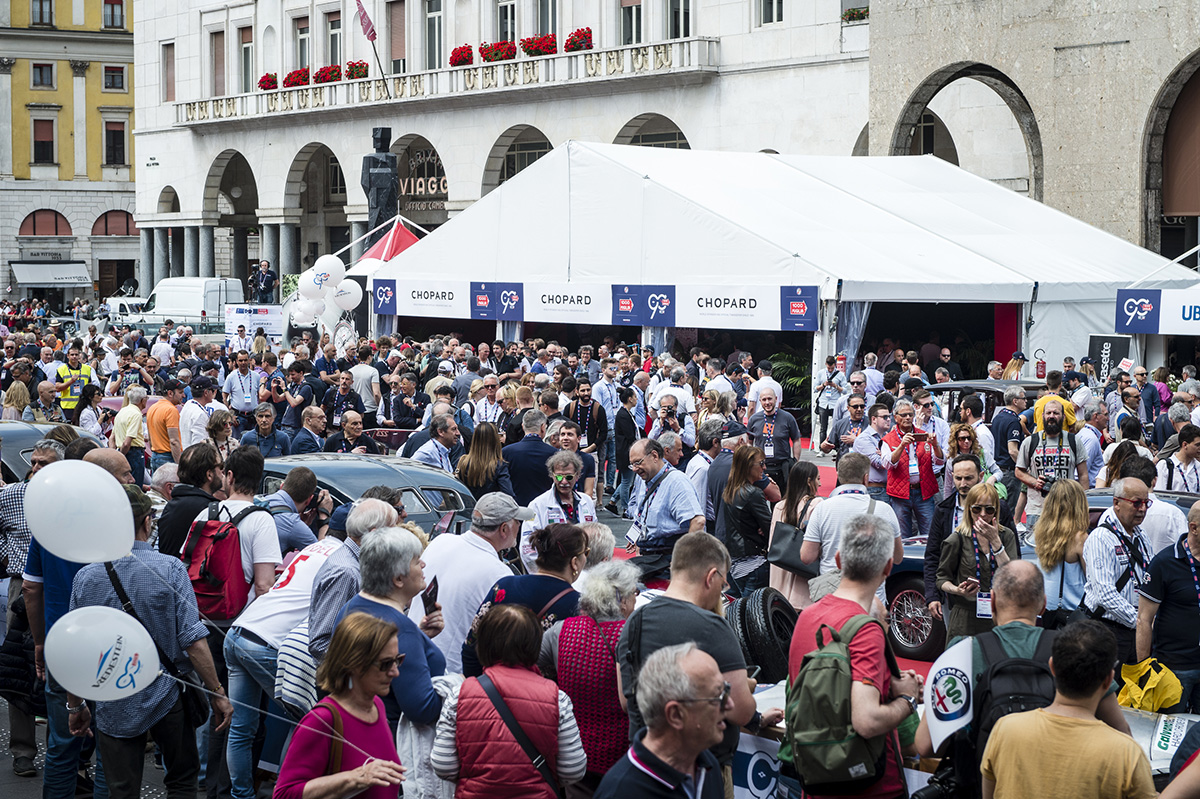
[(744, 224)]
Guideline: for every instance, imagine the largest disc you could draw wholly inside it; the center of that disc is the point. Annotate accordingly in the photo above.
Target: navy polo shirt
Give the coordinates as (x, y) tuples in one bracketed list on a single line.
[(1177, 625)]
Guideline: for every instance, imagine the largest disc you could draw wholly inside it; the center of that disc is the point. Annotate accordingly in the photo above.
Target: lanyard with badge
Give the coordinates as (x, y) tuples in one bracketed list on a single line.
[(208, 409), (579, 420), (769, 436), (983, 600), (639, 522), (1183, 472), (337, 409), (76, 388), (247, 398)]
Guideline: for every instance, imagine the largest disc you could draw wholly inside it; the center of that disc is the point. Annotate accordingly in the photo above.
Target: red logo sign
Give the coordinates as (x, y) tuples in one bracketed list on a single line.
[(625, 305), (799, 308), (482, 300)]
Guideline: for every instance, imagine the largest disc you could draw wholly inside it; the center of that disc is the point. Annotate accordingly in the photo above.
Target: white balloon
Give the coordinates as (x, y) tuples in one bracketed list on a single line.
[(313, 286), (312, 307), (101, 653), (302, 320), (332, 266), (60, 508), (348, 294)]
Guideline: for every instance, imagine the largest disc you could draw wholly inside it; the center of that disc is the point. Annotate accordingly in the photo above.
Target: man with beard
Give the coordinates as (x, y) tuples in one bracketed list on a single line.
[(1046, 457)]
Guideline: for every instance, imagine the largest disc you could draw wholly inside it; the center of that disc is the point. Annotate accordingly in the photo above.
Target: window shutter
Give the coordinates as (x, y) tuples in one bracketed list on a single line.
[(218, 56), (43, 130), (169, 72), (396, 29), (334, 16), (247, 35)]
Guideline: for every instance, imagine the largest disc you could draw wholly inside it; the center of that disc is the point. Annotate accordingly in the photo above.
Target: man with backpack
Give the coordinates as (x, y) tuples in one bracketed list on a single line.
[(1048, 456), (232, 544), (1028, 754), (301, 510), (851, 748), (1011, 666)]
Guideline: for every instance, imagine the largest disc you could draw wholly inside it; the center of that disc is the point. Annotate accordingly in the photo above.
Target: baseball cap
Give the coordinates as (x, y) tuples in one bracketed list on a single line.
[(765, 366), (138, 501), (496, 508), (733, 429), (174, 385), (394, 354), (1019, 356), (446, 366), (1086, 360), (203, 383), (207, 366), (337, 519)]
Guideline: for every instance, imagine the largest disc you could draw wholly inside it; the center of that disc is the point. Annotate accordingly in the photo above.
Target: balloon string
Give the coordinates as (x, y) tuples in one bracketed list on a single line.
[(185, 684)]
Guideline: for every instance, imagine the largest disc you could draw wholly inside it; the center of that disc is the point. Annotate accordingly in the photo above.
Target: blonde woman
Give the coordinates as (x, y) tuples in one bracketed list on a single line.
[(15, 401), (970, 556), (1059, 535), (1012, 371), (220, 434), (708, 407)]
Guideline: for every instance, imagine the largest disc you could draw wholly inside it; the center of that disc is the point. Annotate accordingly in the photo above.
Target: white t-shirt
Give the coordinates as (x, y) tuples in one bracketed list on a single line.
[(466, 567), (548, 512), (683, 395), (365, 376), (763, 382), (193, 422), (276, 613), (257, 536), (163, 351)]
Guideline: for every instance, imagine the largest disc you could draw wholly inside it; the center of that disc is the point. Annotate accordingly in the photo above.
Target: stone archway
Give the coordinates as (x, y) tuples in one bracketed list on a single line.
[(315, 192), (168, 201), (997, 81), (652, 130), (517, 148), (1154, 145), (424, 188), (230, 201)]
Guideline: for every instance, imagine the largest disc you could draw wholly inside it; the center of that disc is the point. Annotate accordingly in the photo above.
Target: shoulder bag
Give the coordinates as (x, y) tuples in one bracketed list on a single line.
[(786, 540), (514, 727), (195, 700)]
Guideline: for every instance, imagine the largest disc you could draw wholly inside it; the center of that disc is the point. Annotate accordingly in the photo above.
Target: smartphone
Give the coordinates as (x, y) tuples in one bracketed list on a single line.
[(973, 582), (429, 596), (920, 435)]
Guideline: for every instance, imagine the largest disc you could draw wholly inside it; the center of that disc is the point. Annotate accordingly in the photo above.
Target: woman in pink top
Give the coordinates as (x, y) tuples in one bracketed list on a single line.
[(343, 746)]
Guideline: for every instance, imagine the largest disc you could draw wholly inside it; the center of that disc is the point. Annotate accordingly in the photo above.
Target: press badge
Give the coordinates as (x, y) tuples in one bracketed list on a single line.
[(983, 605), (634, 533), (769, 447), (582, 440), (337, 420)]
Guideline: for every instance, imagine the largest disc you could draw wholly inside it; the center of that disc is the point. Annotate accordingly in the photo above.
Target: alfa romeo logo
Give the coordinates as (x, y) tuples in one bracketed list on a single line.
[(951, 694)]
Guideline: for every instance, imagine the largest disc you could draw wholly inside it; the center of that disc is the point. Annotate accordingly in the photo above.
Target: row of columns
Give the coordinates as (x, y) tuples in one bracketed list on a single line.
[(190, 252)]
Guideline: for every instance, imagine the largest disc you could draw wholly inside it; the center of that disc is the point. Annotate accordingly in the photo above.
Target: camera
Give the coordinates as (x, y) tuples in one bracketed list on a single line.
[(1047, 484), (942, 785)]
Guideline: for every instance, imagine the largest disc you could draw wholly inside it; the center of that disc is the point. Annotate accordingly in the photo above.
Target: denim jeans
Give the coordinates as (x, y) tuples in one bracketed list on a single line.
[(251, 674), (159, 459), (913, 509), (879, 494), (137, 464), (608, 461), (65, 754), (1189, 702), (743, 586), (621, 497)]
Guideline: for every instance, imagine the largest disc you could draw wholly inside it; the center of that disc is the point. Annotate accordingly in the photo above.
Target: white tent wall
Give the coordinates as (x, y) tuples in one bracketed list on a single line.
[(1063, 328)]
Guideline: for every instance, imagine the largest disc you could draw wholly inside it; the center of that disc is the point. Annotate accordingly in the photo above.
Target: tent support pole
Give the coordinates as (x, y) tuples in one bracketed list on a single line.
[(1164, 266)]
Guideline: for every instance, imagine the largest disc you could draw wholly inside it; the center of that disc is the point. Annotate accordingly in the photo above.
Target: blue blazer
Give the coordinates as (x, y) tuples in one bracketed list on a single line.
[(304, 441), (527, 467)]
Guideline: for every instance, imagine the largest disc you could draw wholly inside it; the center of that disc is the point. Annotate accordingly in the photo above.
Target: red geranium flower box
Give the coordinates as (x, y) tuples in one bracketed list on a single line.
[(499, 51), (297, 77), (581, 39), (268, 82), (462, 56), (546, 44)]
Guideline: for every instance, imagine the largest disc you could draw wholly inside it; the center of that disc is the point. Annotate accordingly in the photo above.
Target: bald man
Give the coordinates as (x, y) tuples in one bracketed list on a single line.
[(113, 462)]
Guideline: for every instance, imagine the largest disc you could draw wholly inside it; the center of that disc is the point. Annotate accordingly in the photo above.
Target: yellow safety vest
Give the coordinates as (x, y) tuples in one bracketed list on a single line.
[(68, 398)]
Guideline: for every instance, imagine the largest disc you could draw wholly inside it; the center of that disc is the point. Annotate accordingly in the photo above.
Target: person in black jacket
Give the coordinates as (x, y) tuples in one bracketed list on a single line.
[(747, 522), (527, 459), (525, 403), (483, 470), (626, 431), (408, 404), (200, 480), (946, 514)]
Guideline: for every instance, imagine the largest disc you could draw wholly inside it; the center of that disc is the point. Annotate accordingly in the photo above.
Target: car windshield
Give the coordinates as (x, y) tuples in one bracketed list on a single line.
[(149, 306)]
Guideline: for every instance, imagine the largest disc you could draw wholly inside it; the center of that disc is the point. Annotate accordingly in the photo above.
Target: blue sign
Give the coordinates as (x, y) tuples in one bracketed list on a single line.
[(1138, 310), (510, 301), (383, 301), (626, 310), (658, 306), (483, 300), (798, 307)]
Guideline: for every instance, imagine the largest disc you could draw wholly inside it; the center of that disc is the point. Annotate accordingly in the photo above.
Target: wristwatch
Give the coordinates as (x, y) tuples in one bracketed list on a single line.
[(912, 701)]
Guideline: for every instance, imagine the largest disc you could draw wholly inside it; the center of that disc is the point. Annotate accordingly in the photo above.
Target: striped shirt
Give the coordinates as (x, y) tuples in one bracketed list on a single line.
[(1107, 559), (571, 760)]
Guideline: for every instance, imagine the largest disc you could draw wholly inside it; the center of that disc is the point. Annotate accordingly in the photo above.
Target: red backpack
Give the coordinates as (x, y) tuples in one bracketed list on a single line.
[(213, 556)]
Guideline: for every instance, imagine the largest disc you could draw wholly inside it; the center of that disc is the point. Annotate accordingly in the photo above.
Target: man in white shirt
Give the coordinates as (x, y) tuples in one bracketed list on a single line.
[(764, 381), (1163, 523), (1181, 471), (241, 342), (466, 566), (717, 381), (194, 415), (162, 348), (366, 382), (678, 388), (708, 444)]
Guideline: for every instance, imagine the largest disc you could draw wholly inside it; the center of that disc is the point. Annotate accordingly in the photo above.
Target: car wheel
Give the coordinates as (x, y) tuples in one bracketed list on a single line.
[(770, 620), (915, 633), (735, 614)]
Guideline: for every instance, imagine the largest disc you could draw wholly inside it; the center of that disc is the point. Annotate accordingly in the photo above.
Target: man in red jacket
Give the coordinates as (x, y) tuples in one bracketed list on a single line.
[(909, 454)]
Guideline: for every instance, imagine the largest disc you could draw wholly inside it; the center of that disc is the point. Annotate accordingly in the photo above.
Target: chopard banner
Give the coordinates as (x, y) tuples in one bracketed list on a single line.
[(569, 303), (433, 298), (729, 306)]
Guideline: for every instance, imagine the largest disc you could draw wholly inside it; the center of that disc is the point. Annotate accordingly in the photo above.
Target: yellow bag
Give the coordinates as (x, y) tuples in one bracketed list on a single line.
[(1149, 685)]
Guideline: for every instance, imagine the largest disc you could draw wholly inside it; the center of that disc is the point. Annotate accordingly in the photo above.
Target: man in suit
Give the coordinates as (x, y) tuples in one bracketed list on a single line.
[(420, 437), (308, 438), (946, 516), (527, 459)]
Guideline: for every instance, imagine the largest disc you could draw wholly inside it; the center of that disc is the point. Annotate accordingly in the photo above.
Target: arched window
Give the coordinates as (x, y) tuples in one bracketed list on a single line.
[(45, 222), (114, 223)]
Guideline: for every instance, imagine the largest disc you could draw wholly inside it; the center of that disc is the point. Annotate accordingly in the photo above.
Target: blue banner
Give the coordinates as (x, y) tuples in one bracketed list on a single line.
[(510, 301), (1138, 310), (658, 306), (626, 309), (383, 297), (798, 308), (483, 301)]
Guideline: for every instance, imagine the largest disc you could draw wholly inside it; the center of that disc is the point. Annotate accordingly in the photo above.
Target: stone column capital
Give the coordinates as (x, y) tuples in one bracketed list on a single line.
[(80, 68), (6, 65)]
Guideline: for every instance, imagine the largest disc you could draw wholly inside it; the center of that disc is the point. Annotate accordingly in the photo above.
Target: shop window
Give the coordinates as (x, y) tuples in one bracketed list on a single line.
[(43, 141), (114, 223), (114, 13), (114, 144), (42, 76), (114, 78), (44, 222)]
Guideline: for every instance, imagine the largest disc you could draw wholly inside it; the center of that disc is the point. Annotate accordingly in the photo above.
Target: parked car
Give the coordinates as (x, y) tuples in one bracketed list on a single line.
[(16, 446), (990, 391), (347, 476)]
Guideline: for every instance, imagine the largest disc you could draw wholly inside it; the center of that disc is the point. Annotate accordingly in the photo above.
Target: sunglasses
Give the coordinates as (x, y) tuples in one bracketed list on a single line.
[(963, 438), (858, 382), (720, 700), (986, 510), (925, 404), (564, 478), (387, 664), (857, 406), (1140, 504)]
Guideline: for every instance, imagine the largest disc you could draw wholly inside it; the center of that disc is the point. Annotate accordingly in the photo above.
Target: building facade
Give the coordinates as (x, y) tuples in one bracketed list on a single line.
[(66, 169)]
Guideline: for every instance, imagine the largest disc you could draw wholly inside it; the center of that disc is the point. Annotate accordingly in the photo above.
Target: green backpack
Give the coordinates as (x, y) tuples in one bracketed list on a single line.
[(828, 755)]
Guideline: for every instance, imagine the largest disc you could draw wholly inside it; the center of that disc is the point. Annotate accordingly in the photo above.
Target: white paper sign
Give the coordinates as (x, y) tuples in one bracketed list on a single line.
[(948, 692), (268, 317)]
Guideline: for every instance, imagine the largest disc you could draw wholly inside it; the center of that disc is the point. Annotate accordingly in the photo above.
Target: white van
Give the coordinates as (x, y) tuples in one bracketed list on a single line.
[(124, 307), (196, 301)]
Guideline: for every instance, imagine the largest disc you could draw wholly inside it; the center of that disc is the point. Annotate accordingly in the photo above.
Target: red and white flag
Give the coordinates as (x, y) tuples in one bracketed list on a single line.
[(367, 26)]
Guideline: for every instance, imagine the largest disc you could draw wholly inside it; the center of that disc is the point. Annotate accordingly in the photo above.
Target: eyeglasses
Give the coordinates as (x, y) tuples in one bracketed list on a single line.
[(1139, 504), (883, 416), (986, 510), (925, 404), (720, 700), (564, 478), (387, 664), (761, 463), (963, 438), (857, 406)]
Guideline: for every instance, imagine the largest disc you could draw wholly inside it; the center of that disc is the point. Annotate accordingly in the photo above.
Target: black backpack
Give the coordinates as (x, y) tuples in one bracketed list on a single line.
[(1008, 685)]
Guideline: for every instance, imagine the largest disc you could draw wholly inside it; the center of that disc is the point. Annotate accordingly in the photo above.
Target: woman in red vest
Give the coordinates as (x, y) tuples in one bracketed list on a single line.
[(911, 485), (579, 653), (501, 723)]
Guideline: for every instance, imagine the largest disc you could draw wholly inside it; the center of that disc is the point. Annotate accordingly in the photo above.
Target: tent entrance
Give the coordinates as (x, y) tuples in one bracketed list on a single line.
[(975, 332)]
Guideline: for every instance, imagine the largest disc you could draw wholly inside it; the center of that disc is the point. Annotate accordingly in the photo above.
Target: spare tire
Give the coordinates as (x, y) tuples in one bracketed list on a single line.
[(769, 623), (735, 614)]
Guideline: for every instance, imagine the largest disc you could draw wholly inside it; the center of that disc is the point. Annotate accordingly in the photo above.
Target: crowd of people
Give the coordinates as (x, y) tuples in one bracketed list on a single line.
[(517, 659)]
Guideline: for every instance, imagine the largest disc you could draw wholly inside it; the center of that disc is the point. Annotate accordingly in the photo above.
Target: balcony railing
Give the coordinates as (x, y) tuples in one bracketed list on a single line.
[(695, 56)]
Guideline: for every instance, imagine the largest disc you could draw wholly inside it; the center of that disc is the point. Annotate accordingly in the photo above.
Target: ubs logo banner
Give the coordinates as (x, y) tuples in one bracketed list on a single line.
[(383, 297), (798, 308), (1138, 310)]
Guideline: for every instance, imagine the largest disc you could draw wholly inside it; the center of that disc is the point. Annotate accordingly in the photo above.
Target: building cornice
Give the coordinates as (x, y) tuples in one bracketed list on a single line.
[(63, 44)]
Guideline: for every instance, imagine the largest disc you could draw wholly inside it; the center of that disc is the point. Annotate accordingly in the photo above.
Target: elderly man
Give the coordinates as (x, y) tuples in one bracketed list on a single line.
[(194, 415), (351, 438), (436, 451), (308, 438), (562, 504), (668, 507), (128, 434), (670, 758), (270, 440), (45, 407)]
